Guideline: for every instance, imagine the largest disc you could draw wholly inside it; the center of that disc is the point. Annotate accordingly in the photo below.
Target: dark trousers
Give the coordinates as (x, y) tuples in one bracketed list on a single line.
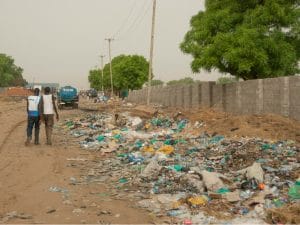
[(49, 122), (33, 121)]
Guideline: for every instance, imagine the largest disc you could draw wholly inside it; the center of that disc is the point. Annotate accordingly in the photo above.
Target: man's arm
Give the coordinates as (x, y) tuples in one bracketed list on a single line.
[(27, 105), (41, 108), (55, 108)]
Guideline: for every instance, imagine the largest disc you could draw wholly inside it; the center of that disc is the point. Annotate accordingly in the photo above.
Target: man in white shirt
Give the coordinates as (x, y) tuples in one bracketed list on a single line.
[(33, 111), (48, 109)]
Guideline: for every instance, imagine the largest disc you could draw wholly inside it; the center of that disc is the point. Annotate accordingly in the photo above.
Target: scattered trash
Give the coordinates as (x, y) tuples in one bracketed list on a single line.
[(166, 149), (152, 170), (15, 215), (104, 212), (77, 211), (223, 190), (198, 201), (24, 216), (58, 189), (73, 180), (181, 173), (254, 171), (294, 191), (194, 182), (175, 212), (123, 180), (51, 210), (212, 180), (233, 196)]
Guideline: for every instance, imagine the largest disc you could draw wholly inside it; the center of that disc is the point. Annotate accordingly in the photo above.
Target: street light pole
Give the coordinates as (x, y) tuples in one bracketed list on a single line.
[(151, 52), (110, 66), (102, 56)]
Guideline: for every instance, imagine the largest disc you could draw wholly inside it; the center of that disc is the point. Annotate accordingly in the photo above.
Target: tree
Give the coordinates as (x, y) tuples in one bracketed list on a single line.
[(129, 72), (249, 39), (186, 80), (155, 83), (226, 80), (10, 74)]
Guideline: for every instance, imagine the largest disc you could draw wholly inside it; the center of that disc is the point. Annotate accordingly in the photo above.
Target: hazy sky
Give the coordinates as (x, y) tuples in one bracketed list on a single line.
[(61, 40)]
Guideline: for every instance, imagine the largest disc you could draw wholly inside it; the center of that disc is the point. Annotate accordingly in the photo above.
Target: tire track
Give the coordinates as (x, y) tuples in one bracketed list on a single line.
[(10, 133), (7, 137)]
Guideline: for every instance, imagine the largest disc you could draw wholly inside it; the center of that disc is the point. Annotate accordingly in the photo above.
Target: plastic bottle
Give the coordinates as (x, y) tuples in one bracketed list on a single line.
[(294, 191), (223, 190), (187, 222), (174, 212)]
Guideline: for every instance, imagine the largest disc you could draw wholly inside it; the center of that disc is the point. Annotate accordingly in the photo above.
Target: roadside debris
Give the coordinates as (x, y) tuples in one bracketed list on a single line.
[(15, 215), (51, 210), (172, 170)]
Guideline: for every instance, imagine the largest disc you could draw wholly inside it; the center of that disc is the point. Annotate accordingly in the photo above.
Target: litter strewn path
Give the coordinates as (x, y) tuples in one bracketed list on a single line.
[(37, 182), (149, 166), (167, 165)]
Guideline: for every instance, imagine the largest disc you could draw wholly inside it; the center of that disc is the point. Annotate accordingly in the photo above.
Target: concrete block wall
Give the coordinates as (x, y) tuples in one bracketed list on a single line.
[(294, 97), (230, 94), (187, 96), (217, 92), (248, 98), (172, 91), (179, 96), (273, 95), (165, 96), (196, 95), (155, 94), (207, 94)]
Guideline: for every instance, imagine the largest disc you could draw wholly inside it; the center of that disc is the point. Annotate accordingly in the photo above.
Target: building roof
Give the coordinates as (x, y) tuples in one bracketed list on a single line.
[(51, 85)]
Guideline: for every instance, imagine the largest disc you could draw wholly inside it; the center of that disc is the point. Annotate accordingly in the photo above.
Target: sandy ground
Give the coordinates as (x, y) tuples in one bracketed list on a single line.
[(27, 173), (270, 126)]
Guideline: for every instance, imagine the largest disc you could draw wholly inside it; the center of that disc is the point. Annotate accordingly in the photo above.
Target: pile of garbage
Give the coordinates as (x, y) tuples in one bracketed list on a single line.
[(172, 170)]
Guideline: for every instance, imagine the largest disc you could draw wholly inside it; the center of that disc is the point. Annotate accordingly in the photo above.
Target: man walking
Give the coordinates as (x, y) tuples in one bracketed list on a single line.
[(48, 109), (33, 111)]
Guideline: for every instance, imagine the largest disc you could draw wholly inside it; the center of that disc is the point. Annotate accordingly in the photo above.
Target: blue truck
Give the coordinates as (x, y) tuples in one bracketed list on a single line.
[(67, 96)]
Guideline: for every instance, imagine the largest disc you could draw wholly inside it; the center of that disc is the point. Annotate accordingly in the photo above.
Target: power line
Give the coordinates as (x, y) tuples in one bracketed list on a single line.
[(139, 18), (126, 20), (144, 15)]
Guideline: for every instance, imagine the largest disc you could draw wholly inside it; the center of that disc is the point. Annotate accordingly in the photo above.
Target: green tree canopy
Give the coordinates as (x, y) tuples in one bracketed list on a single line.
[(248, 39), (186, 80), (155, 83), (129, 72), (10, 74), (226, 80)]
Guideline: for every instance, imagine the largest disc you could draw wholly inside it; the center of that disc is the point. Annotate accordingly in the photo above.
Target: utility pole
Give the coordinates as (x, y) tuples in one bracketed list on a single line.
[(151, 52), (110, 67), (102, 56)]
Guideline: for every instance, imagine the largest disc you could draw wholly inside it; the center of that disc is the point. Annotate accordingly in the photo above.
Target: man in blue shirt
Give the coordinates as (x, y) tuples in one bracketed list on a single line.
[(33, 111)]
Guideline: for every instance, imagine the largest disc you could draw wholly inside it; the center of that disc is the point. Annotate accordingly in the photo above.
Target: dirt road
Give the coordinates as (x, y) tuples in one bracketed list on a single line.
[(28, 173), (42, 184)]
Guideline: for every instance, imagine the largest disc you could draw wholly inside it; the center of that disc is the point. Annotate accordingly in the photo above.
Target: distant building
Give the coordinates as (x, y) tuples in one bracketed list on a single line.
[(53, 86)]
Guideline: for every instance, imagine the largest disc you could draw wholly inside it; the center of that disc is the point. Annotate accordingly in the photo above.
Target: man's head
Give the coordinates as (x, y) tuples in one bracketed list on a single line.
[(47, 90), (36, 92)]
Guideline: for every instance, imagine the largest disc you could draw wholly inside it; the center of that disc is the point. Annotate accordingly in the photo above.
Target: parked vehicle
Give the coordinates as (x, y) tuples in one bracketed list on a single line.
[(92, 93), (67, 96)]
